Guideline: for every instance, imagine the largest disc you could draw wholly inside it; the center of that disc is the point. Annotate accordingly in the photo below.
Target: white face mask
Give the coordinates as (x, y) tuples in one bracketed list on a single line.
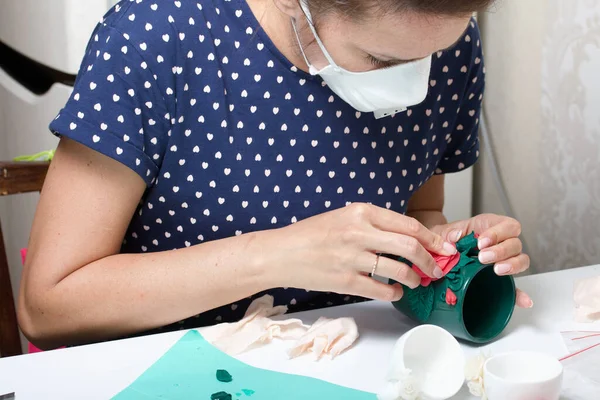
[(383, 91)]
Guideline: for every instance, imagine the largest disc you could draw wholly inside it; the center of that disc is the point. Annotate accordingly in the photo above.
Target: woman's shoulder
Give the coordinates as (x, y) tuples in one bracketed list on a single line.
[(157, 21), (465, 58), (169, 35)]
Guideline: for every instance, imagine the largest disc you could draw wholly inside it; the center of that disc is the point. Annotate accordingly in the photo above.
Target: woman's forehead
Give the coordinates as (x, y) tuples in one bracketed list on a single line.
[(403, 35)]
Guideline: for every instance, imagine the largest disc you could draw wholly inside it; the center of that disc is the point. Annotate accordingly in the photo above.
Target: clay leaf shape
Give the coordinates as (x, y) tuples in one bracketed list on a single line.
[(421, 302), (468, 245)]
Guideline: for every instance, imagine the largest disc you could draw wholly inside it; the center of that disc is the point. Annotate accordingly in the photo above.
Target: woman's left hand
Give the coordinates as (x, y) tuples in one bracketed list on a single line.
[(499, 244)]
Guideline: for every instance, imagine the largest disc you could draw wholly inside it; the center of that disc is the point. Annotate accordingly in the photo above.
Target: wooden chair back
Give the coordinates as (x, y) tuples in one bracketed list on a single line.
[(15, 178)]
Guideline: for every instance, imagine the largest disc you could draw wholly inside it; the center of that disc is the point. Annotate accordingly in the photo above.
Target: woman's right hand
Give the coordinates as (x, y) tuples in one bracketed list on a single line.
[(336, 251)]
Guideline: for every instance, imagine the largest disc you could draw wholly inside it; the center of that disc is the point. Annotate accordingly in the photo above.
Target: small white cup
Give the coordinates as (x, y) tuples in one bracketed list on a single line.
[(522, 375), (435, 359)]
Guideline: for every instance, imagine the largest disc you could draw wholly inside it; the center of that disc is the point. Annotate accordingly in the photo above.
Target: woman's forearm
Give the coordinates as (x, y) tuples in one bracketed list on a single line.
[(427, 203), (128, 293), (429, 218)]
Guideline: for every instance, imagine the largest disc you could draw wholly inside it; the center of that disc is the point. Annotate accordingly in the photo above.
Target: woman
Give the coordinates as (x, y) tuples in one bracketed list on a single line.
[(215, 150)]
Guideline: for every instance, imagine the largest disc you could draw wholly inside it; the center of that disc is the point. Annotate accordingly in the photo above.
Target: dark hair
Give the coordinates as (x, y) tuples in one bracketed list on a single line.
[(357, 8)]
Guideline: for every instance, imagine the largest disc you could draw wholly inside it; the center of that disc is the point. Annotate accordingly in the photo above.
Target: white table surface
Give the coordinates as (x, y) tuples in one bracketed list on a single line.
[(102, 370)]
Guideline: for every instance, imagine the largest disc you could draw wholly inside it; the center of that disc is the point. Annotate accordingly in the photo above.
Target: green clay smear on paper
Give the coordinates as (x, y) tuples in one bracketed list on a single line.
[(224, 376), (187, 371), (221, 396)]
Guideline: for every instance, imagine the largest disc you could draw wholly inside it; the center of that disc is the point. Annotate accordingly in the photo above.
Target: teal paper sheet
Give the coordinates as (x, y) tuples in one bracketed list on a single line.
[(188, 371)]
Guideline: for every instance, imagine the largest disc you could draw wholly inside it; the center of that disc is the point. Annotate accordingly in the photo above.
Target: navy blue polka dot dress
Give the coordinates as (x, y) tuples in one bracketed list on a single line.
[(230, 137)]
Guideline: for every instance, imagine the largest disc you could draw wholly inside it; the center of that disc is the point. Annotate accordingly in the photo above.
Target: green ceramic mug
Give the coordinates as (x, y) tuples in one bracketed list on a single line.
[(471, 301)]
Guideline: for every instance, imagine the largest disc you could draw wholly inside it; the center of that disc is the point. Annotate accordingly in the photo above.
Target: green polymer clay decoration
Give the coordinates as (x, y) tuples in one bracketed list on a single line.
[(470, 301), (420, 302)]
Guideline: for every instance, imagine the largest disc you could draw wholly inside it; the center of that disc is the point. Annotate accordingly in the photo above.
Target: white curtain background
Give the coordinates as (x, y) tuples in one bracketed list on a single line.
[(543, 107)]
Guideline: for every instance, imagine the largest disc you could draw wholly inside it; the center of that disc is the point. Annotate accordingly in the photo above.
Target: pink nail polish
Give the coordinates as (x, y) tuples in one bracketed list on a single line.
[(437, 272), (457, 235), (450, 248), (486, 257), (502, 269), (484, 243)]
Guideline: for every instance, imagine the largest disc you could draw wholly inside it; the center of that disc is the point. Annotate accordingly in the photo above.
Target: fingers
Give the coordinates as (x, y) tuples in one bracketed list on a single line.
[(452, 233), (403, 246), (397, 271), (513, 266), (508, 228), (455, 235), (363, 286), (523, 299), (391, 221), (500, 252)]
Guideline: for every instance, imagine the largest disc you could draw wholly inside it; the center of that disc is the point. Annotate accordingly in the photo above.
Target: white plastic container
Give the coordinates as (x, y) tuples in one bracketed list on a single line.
[(435, 360), (522, 375)]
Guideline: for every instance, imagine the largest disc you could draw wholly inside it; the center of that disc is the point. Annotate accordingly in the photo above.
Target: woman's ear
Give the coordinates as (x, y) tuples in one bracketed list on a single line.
[(289, 7)]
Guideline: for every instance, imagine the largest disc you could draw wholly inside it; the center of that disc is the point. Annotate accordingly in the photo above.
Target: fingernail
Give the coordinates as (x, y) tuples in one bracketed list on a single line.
[(486, 257), (484, 243), (450, 248), (400, 291), (456, 235), (530, 304), (502, 269), (437, 272)]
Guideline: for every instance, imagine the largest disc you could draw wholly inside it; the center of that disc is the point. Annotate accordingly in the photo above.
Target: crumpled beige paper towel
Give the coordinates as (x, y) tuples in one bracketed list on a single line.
[(326, 336), (587, 299)]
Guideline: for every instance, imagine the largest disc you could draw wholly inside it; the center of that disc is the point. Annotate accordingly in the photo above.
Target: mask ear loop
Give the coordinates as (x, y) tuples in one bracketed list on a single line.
[(316, 35), (310, 67)]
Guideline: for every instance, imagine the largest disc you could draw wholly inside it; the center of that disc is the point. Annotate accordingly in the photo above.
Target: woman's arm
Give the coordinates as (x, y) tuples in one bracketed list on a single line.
[(77, 288), (427, 204), (75, 285)]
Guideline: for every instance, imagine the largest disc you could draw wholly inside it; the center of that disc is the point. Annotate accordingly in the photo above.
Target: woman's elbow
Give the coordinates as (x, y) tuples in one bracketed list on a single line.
[(32, 315)]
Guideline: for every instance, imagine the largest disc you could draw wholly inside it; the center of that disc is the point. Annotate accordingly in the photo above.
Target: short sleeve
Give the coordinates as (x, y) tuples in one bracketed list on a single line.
[(116, 107), (462, 149)]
